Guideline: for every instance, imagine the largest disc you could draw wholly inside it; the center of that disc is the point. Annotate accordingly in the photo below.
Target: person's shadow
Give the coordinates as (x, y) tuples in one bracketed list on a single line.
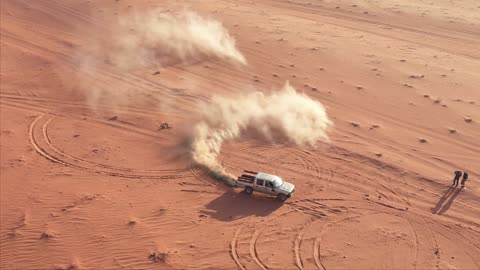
[(449, 203), (232, 206), (450, 194)]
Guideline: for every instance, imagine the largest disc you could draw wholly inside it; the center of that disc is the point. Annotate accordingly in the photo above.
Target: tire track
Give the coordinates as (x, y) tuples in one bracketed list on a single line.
[(41, 150), (316, 255), (351, 18), (298, 244), (103, 166), (233, 248), (253, 242)]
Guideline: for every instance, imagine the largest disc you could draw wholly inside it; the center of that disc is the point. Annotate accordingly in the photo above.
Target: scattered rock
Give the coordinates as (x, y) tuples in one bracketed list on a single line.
[(47, 235), (156, 73), (314, 89), (76, 136), (359, 87), (132, 222), (403, 60), (422, 140), (437, 101), (202, 216), (354, 124), (158, 257), (378, 154), (426, 96), (274, 75), (113, 118), (452, 130), (416, 76), (408, 85), (468, 119), (164, 126)]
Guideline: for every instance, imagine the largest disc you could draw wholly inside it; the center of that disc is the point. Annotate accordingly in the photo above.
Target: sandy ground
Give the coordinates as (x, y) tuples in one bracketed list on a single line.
[(103, 188)]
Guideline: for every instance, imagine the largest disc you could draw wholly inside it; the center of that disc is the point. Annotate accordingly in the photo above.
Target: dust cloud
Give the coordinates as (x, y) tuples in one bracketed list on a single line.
[(283, 115), (149, 40), (171, 38)]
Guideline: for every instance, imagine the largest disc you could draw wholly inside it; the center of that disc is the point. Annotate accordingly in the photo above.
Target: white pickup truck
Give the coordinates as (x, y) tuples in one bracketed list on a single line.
[(265, 183)]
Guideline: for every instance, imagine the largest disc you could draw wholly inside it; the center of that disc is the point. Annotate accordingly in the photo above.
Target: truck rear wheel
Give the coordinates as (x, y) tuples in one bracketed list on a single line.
[(249, 190), (282, 197)]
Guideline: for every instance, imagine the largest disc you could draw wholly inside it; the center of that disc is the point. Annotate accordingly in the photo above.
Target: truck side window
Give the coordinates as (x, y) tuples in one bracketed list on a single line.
[(268, 184), (260, 182)]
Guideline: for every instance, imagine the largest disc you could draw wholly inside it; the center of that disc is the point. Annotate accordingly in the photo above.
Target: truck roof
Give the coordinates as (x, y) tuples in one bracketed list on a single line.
[(266, 176)]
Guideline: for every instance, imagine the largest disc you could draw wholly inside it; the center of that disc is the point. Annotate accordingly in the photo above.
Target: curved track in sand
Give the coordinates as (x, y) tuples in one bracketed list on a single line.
[(89, 181)]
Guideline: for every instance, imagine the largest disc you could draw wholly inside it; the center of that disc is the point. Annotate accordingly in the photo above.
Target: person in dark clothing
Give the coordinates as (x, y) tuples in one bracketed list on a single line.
[(457, 177), (464, 179)]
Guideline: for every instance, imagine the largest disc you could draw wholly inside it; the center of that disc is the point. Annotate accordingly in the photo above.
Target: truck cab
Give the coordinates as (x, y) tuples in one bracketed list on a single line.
[(266, 183)]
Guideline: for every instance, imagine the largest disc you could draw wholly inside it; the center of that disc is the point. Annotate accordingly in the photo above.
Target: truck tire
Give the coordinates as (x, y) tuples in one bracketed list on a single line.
[(248, 190), (282, 197)]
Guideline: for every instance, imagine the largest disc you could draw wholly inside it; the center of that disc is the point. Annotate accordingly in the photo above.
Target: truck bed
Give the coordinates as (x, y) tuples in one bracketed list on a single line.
[(246, 178)]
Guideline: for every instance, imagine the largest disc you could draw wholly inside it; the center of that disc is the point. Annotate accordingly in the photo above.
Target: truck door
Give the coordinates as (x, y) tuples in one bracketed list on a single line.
[(269, 187), (260, 185)]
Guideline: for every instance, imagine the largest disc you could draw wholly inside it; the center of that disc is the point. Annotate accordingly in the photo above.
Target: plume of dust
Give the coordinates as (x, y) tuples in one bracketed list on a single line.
[(286, 114), (170, 38), (147, 40)]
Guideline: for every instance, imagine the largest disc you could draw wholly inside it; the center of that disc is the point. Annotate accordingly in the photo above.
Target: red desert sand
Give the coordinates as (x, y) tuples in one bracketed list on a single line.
[(121, 121)]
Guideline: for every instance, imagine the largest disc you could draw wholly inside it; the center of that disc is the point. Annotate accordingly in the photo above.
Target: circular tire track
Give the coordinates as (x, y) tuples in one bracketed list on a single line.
[(76, 163), (96, 164), (317, 215)]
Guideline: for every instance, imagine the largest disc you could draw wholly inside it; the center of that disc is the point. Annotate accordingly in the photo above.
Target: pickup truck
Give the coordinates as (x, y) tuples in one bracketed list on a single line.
[(265, 183)]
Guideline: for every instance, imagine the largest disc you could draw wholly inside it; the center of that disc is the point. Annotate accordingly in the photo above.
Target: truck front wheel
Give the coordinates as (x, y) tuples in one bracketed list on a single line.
[(282, 197), (248, 190)]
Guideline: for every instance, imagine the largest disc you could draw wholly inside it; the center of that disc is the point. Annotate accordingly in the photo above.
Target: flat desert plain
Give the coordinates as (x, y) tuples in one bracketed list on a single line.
[(121, 119)]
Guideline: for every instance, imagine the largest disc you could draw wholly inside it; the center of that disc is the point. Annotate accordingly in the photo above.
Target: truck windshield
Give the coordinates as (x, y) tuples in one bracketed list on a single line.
[(277, 182)]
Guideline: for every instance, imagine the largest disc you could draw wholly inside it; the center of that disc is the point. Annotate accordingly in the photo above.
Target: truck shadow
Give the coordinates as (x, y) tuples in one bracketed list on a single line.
[(232, 206)]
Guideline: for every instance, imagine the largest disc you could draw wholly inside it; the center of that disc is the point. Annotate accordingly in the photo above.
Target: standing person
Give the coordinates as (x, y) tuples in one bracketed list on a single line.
[(464, 179), (457, 177)]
